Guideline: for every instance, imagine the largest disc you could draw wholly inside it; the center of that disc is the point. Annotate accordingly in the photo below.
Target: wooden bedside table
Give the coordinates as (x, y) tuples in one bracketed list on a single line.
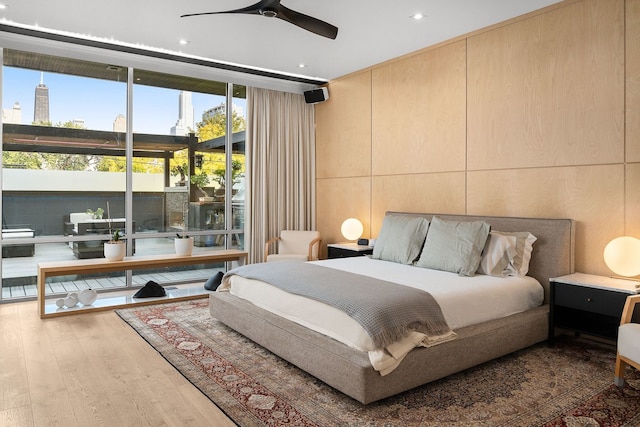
[(584, 303), (347, 250)]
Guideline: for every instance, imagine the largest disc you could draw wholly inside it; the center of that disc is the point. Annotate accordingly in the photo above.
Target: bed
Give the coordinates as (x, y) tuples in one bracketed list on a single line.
[(350, 369)]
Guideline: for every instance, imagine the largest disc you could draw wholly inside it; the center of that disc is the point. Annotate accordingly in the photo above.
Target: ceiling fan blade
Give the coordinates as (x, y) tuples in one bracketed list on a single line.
[(307, 22), (254, 9), (273, 8)]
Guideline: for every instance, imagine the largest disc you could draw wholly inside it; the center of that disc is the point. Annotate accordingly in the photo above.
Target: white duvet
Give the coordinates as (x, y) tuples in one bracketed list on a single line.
[(464, 301)]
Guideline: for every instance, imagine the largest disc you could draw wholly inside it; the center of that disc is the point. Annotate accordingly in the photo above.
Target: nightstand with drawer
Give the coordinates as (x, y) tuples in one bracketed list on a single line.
[(347, 250), (584, 303)]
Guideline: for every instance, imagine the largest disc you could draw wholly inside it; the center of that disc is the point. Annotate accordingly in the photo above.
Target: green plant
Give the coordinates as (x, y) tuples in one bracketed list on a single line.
[(236, 173), (97, 214), (200, 180), (181, 170), (115, 237)]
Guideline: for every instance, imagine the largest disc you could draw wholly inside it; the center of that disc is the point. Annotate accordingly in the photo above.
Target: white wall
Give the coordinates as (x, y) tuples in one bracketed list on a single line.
[(45, 180)]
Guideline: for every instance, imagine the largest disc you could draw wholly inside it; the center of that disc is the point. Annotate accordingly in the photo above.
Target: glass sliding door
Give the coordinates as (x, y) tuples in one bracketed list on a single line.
[(67, 154), (59, 134), (188, 118)]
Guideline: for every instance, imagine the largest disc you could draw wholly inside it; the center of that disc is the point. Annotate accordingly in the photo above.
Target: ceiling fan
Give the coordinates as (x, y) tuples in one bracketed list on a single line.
[(273, 9)]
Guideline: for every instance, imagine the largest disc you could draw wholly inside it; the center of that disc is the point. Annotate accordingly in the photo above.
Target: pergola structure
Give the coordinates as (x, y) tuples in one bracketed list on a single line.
[(47, 139)]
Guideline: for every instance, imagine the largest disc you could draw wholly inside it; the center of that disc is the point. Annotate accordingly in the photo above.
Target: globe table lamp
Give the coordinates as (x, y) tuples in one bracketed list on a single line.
[(351, 229), (622, 256)]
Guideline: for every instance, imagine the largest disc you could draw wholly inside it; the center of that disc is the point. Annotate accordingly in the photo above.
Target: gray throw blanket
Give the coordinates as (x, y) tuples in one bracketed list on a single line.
[(387, 311)]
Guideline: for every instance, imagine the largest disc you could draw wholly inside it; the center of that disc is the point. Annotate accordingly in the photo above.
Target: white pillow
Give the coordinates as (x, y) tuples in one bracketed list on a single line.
[(498, 253), (519, 264), (400, 239), (524, 246)]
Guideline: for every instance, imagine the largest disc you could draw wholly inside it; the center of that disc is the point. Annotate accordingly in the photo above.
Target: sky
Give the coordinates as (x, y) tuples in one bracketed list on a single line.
[(99, 102)]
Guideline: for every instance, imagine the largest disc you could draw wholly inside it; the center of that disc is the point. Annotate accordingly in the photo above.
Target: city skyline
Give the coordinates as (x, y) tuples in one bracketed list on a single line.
[(98, 103)]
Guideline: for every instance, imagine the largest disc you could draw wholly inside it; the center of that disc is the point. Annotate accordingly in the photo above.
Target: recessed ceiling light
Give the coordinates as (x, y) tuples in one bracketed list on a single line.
[(417, 16), (301, 65), (183, 42), (3, 6)]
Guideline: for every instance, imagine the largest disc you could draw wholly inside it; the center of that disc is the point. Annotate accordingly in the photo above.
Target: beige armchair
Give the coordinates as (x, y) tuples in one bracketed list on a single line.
[(293, 245), (628, 341)]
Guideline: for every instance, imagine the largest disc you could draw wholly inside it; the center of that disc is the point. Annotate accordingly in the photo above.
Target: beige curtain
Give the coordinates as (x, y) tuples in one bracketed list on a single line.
[(280, 166)]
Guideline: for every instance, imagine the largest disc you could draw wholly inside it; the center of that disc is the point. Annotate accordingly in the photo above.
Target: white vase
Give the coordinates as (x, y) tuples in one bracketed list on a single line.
[(71, 300), (87, 296), (115, 251), (184, 247)]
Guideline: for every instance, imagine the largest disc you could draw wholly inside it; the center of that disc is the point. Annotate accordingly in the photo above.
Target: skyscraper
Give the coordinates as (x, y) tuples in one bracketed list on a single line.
[(120, 123), (185, 123), (41, 104), (13, 115)]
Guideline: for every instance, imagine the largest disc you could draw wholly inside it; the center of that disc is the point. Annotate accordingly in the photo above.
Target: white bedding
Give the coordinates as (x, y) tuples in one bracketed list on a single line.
[(464, 301)]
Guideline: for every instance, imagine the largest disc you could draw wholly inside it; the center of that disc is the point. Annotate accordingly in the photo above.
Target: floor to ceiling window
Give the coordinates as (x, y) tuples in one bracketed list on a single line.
[(65, 162)]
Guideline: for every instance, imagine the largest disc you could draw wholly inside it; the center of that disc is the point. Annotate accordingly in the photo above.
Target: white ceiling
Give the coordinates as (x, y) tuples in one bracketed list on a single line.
[(370, 31)]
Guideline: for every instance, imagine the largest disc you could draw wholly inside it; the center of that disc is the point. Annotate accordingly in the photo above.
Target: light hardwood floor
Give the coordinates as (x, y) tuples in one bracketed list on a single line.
[(90, 370)]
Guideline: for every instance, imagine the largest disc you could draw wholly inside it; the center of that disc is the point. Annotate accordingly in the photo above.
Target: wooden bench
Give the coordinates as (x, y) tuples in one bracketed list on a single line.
[(100, 265)]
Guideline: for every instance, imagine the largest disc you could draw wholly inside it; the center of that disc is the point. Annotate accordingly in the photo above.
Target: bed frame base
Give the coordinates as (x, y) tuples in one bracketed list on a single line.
[(349, 370)]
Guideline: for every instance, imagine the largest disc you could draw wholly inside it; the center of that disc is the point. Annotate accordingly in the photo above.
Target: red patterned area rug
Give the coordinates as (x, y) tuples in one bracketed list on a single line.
[(567, 385)]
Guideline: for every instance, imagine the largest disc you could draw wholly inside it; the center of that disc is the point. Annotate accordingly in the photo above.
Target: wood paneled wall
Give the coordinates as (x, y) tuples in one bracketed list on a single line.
[(537, 117)]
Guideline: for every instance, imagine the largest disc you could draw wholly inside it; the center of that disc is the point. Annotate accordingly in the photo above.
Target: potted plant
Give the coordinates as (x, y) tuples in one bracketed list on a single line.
[(184, 244), (201, 180), (181, 170), (97, 214), (219, 176), (114, 249)]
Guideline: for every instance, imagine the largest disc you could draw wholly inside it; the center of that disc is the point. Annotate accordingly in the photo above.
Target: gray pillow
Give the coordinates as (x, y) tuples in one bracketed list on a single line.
[(454, 246), (400, 239)]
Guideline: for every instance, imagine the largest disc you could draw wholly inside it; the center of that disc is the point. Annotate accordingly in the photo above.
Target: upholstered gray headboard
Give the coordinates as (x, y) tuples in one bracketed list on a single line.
[(553, 251)]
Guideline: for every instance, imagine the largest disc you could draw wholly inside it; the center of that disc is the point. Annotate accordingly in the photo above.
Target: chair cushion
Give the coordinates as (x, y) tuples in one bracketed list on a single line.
[(17, 233), (294, 242), (629, 341), (286, 257), (77, 217)]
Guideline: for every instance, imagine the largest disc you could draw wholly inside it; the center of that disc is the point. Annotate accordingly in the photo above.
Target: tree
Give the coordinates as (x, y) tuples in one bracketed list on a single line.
[(67, 162), (236, 173), (51, 161), (214, 123), (21, 160), (118, 164)]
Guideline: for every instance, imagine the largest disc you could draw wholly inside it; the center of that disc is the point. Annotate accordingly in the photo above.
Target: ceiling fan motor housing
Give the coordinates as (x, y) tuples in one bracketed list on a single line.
[(269, 13)]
